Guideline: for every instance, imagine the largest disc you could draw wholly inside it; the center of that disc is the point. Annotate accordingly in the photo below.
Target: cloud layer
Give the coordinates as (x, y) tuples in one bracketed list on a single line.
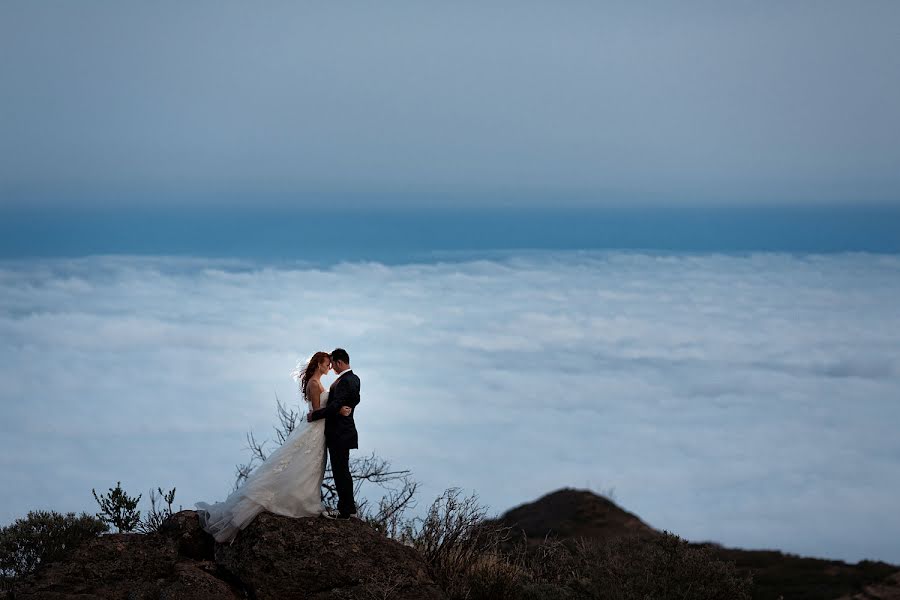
[(746, 399)]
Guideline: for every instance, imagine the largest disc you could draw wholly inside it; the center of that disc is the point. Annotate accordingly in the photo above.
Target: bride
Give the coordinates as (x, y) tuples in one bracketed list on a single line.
[(289, 482)]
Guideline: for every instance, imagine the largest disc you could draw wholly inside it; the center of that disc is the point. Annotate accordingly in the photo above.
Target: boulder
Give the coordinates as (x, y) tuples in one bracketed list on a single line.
[(317, 559), (184, 528)]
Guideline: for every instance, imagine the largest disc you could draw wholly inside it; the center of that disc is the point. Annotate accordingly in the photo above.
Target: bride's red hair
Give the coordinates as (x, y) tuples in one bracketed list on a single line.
[(311, 369)]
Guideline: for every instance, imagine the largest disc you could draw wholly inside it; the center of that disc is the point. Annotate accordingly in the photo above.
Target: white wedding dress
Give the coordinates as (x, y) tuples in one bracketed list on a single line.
[(288, 483)]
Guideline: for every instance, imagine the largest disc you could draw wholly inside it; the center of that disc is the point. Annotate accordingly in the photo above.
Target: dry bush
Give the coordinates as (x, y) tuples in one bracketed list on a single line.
[(493, 577), (462, 549), (41, 537), (383, 584), (664, 567), (157, 514)]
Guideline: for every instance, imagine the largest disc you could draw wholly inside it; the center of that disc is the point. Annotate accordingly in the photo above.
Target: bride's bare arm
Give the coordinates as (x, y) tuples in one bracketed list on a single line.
[(314, 393)]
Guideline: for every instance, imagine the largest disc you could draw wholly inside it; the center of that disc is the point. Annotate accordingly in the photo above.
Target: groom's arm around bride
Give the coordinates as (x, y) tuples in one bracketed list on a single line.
[(344, 393)]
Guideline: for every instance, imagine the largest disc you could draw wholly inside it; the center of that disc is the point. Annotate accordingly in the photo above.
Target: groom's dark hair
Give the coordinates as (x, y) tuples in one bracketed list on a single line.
[(340, 354)]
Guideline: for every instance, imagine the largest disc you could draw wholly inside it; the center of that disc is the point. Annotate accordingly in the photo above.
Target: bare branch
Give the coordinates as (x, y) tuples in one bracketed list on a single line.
[(397, 487), (288, 420)]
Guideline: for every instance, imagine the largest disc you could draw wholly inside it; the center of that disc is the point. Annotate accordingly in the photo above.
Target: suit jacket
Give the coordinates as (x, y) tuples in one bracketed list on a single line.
[(340, 431)]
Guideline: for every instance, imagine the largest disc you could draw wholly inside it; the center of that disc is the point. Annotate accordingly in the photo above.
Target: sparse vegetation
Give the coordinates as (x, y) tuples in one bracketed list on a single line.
[(157, 514), (457, 542), (42, 536), (663, 567), (473, 558)]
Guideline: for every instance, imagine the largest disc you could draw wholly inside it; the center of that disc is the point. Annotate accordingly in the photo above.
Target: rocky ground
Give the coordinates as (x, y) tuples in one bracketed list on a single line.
[(274, 558)]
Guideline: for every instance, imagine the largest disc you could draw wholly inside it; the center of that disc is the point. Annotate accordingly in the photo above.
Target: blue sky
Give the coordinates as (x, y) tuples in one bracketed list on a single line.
[(219, 128), (414, 104)]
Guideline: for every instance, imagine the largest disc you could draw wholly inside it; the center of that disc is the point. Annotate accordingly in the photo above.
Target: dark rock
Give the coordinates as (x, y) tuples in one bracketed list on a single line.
[(127, 565), (193, 541), (318, 559), (194, 580), (887, 589)]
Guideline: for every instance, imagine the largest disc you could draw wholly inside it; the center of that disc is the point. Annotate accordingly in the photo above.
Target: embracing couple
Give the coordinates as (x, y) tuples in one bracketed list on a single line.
[(289, 481)]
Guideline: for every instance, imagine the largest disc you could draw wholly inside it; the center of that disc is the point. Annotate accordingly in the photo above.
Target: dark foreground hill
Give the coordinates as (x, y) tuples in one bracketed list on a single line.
[(274, 558), (571, 514), (282, 558)]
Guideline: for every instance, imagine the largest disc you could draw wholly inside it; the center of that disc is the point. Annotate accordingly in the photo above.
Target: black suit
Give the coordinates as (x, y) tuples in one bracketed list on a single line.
[(341, 436)]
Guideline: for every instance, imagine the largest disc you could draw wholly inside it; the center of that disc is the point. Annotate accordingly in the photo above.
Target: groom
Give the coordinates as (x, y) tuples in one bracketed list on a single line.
[(340, 429)]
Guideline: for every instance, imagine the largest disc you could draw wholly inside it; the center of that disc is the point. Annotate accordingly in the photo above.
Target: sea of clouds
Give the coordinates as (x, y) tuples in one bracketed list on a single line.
[(749, 399)]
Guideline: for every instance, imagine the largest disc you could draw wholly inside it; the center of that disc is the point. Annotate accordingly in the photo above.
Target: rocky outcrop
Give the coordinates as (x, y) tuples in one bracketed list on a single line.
[(274, 557), (322, 559), (570, 513), (889, 589)]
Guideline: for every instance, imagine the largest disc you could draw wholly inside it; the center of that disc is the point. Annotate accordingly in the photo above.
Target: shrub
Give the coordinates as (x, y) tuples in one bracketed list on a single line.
[(43, 536), (491, 578), (157, 515), (118, 509), (461, 549)]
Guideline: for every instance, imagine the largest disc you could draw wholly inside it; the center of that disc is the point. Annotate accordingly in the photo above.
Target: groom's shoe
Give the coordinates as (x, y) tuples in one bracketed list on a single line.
[(330, 513)]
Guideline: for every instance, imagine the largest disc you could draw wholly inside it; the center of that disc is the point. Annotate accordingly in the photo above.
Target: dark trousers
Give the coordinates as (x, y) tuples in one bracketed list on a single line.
[(343, 481)]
